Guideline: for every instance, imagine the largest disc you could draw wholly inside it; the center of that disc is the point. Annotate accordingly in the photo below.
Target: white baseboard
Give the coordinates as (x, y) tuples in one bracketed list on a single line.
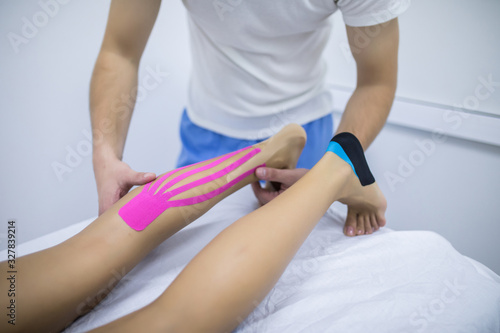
[(438, 119)]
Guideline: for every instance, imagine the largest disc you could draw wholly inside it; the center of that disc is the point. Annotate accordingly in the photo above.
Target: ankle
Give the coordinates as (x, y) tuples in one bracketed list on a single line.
[(338, 175), (348, 147)]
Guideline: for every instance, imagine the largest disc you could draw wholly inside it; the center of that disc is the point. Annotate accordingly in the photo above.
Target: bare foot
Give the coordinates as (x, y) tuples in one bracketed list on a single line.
[(282, 150), (366, 206)]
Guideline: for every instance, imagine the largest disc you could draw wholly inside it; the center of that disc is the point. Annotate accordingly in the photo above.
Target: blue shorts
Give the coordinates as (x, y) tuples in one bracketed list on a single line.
[(199, 144)]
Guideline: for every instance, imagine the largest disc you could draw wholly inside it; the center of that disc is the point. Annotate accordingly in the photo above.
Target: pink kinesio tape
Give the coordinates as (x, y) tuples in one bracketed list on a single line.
[(145, 207)]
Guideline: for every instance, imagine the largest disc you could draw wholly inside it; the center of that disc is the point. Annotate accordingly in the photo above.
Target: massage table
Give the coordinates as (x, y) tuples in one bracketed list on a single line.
[(390, 281)]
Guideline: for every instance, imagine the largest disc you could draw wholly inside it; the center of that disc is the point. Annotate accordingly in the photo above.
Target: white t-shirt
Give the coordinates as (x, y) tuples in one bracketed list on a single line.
[(257, 64)]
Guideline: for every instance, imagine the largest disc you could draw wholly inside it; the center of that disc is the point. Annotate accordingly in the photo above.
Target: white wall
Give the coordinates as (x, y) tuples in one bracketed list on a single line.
[(44, 90), (44, 112), (445, 47), (451, 186)]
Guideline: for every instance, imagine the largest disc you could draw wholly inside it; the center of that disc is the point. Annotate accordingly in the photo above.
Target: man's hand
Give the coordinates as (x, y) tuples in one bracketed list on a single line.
[(278, 181), (115, 79), (114, 179)]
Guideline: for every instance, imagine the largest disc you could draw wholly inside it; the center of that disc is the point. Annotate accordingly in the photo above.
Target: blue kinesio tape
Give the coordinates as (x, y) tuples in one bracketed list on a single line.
[(346, 146), (334, 147)]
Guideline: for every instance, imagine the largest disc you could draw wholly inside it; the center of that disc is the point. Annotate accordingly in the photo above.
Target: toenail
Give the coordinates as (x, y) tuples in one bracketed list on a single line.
[(360, 232), (350, 231)]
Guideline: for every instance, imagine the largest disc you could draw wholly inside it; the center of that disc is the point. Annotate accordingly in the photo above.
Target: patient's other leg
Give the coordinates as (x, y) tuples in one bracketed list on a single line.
[(63, 282), (234, 272), (358, 222)]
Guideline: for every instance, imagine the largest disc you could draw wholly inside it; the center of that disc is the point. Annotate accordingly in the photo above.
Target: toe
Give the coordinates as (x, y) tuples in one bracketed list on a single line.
[(373, 220), (360, 225), (368, 225), (380, 220), (350, 224)]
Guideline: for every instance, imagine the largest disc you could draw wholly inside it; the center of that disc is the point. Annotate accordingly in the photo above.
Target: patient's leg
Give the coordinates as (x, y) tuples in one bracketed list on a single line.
[(235, 271), (63, 282)]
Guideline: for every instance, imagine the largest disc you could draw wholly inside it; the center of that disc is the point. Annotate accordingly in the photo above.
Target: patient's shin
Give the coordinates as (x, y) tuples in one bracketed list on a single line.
[(144, 208)]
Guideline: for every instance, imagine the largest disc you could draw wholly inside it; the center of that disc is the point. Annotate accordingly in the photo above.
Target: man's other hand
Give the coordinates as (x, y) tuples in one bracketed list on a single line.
[(114, 179), (278, 180)]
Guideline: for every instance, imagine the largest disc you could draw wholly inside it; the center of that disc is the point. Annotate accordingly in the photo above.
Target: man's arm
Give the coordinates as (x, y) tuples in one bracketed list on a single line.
[(113, 91), (377, 67), (368, 108)]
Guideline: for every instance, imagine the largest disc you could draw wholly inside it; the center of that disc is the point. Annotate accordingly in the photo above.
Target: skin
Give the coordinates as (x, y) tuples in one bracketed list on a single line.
[(115, 74), (63, 282), (365, 113), (222, 284), (241, 265)]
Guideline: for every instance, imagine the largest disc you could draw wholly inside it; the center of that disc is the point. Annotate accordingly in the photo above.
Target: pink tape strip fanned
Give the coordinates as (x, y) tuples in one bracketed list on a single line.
[(145, 207)]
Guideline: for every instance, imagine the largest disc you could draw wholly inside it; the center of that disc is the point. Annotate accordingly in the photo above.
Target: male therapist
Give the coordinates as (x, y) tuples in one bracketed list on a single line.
[(256, 65)]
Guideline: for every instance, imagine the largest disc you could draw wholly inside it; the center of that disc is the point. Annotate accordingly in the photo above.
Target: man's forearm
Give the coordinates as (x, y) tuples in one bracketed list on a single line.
[(112, 99), (367, 111)]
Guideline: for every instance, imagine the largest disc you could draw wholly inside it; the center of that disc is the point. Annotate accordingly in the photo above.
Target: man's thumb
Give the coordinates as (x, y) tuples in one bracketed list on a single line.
[(271, 174), (284, 176), (141, 178), (262, 173)]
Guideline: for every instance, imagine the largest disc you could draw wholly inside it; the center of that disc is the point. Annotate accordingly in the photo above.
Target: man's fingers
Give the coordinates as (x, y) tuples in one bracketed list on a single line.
[(140, 178), (284, 176), (145, 177), (116, 190), (273, 175), (263, 195)]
